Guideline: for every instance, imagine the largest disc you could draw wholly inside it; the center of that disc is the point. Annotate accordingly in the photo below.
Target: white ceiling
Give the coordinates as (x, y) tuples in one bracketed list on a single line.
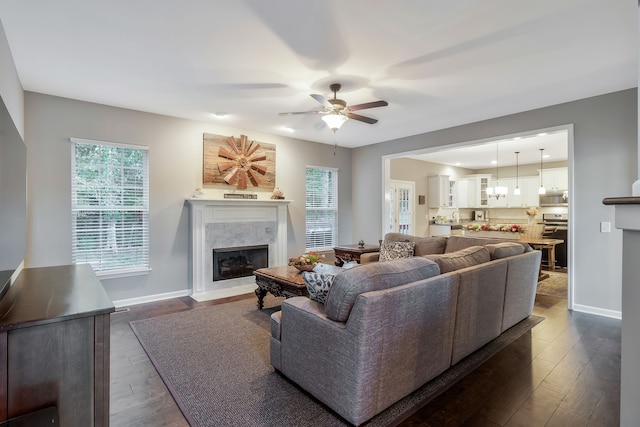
[(437, 63), (480, 155)]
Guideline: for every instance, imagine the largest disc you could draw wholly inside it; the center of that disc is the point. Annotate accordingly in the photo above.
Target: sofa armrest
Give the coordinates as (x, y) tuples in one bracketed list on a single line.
[(369, 257)]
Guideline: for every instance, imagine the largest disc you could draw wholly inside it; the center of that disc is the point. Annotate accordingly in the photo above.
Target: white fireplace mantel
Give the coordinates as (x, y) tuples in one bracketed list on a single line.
[(238, 215)]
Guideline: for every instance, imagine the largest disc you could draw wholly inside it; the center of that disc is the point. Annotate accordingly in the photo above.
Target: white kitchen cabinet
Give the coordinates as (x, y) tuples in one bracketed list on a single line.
[(529, 186), (440, 191), (462, 193), (528, 193), (473, 191), (439, 230), (555, 179)]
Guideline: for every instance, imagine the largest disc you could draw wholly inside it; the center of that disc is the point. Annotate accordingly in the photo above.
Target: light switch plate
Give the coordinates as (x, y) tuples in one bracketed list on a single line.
[(605, 227)]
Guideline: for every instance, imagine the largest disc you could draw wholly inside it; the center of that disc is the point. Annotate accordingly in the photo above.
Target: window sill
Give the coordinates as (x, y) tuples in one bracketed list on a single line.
[(116, 274)]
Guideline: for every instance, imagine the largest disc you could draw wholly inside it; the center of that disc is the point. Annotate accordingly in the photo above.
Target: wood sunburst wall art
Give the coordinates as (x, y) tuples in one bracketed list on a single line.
[(228, 161)]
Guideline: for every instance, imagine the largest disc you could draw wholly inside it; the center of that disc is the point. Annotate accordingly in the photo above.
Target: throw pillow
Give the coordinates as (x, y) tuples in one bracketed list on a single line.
[(504, 249), (464, 258), (396, 250), (424, 245), (318, 285)]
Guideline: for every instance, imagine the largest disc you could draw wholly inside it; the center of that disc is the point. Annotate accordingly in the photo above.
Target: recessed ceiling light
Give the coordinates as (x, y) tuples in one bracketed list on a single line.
[(288, 129), (494, 162), (458, 164), (546, 156), (219, 115), (542, 134)]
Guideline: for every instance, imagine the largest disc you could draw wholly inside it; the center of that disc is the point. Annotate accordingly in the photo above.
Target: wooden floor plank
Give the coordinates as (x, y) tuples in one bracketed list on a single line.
[(565, 372)]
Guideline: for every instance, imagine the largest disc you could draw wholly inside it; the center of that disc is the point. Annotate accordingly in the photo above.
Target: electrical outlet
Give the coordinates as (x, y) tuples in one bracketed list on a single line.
[(605, 227)]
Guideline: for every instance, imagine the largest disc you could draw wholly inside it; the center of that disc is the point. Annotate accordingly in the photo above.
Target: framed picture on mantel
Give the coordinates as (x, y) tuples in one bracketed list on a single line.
[(238, 162)]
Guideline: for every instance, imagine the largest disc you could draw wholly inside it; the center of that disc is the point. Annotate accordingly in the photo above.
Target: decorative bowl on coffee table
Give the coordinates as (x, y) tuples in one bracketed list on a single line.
[(305, 267)]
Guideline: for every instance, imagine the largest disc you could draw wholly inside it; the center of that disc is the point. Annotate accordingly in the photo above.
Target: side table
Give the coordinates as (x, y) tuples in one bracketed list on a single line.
[(347, 253)]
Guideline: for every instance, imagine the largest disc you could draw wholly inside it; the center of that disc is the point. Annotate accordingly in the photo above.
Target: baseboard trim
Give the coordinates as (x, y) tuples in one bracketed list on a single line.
[(150, 298), (225, 293), (614, 314)]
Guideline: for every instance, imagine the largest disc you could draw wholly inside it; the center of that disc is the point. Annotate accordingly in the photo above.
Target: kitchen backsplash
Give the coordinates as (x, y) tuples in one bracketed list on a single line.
[(496, 215)]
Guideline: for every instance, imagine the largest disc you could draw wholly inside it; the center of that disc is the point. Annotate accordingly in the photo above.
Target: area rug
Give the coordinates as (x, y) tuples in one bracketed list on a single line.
[(215, 363), (555, 285)]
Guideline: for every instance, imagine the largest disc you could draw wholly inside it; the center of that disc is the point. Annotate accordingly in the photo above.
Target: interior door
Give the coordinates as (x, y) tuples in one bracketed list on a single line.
[(401, 206)]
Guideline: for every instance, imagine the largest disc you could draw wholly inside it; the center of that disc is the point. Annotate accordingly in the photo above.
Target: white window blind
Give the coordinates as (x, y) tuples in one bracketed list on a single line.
[(321, 208), (110, 206)]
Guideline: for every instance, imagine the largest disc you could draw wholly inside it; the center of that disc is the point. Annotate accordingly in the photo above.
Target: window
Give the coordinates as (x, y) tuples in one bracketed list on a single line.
[(110, 206), (321, 208)]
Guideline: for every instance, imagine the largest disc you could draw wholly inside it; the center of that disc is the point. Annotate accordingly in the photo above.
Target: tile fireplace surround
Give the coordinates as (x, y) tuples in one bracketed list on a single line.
[(223, 223)]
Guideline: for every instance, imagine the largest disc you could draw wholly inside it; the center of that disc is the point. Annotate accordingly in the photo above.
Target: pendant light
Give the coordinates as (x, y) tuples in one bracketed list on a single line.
[(497, 191), (516, 191), (541, 190)]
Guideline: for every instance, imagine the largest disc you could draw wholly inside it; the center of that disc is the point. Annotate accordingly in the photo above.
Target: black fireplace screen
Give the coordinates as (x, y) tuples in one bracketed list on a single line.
[(230, 263)]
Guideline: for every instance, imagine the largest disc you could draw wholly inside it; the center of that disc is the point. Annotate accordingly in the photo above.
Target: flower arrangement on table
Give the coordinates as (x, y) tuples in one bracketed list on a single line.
[(513, 228), (307, 261)]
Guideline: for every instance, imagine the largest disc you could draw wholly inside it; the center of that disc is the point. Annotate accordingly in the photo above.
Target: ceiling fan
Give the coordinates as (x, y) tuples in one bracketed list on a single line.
[(336, 111)]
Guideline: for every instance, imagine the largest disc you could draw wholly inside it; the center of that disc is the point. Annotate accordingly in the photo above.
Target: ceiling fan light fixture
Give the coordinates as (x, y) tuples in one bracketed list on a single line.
[(334, 121)]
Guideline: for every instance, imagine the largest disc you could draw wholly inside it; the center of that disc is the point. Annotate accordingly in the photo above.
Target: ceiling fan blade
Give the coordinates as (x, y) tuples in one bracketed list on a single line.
[(373, 104), (322, 100), (301, 112), (362, 118)]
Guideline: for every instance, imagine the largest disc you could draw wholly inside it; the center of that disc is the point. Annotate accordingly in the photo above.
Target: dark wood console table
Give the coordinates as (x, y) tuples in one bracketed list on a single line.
[(54, 346)]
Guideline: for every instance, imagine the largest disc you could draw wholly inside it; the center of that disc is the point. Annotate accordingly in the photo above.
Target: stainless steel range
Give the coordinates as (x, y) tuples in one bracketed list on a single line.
[(556, 227)]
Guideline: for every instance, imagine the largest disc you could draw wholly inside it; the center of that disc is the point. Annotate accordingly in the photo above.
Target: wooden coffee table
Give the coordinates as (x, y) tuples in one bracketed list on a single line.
[(285, 281)]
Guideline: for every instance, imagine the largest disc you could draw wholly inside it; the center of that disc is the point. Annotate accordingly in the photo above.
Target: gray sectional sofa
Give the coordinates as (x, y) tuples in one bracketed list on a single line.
[(387, 328)]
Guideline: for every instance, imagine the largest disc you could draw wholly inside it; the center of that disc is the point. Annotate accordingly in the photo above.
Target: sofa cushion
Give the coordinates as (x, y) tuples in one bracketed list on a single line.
[(348, 284), (390, 250), (456, 243), (318, 285), (504, 249), (464, 258), (424, 245)]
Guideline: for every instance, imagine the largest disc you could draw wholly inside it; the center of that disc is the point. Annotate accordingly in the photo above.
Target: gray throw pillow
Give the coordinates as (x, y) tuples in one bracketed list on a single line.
[(464, 258), (318, 285), (396, 250), (504, 249)]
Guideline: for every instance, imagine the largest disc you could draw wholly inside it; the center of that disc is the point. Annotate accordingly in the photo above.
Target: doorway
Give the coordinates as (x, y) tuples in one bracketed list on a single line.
[(454, 165), (400, 196)]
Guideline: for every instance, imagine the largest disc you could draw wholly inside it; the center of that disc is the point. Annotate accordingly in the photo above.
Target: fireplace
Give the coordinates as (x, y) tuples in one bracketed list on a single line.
[(231, 263), (233, 223)]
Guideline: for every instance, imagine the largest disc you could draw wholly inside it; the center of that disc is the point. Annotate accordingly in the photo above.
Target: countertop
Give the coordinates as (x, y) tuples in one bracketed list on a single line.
[(453, 225)]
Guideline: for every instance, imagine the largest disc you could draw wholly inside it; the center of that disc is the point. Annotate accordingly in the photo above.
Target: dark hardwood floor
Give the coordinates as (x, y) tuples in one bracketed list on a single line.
[(565, 372)]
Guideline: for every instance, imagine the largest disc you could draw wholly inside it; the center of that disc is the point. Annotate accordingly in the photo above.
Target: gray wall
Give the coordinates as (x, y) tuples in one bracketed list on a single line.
[(10, 87), (175, 153), (605, 164)]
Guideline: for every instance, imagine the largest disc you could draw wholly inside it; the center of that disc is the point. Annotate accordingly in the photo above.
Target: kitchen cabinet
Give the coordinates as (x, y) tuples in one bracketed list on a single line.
[(528, 192), (529, 186), (472, 191), (555, 179), (439, 230), (462, 193), (440, 191)]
